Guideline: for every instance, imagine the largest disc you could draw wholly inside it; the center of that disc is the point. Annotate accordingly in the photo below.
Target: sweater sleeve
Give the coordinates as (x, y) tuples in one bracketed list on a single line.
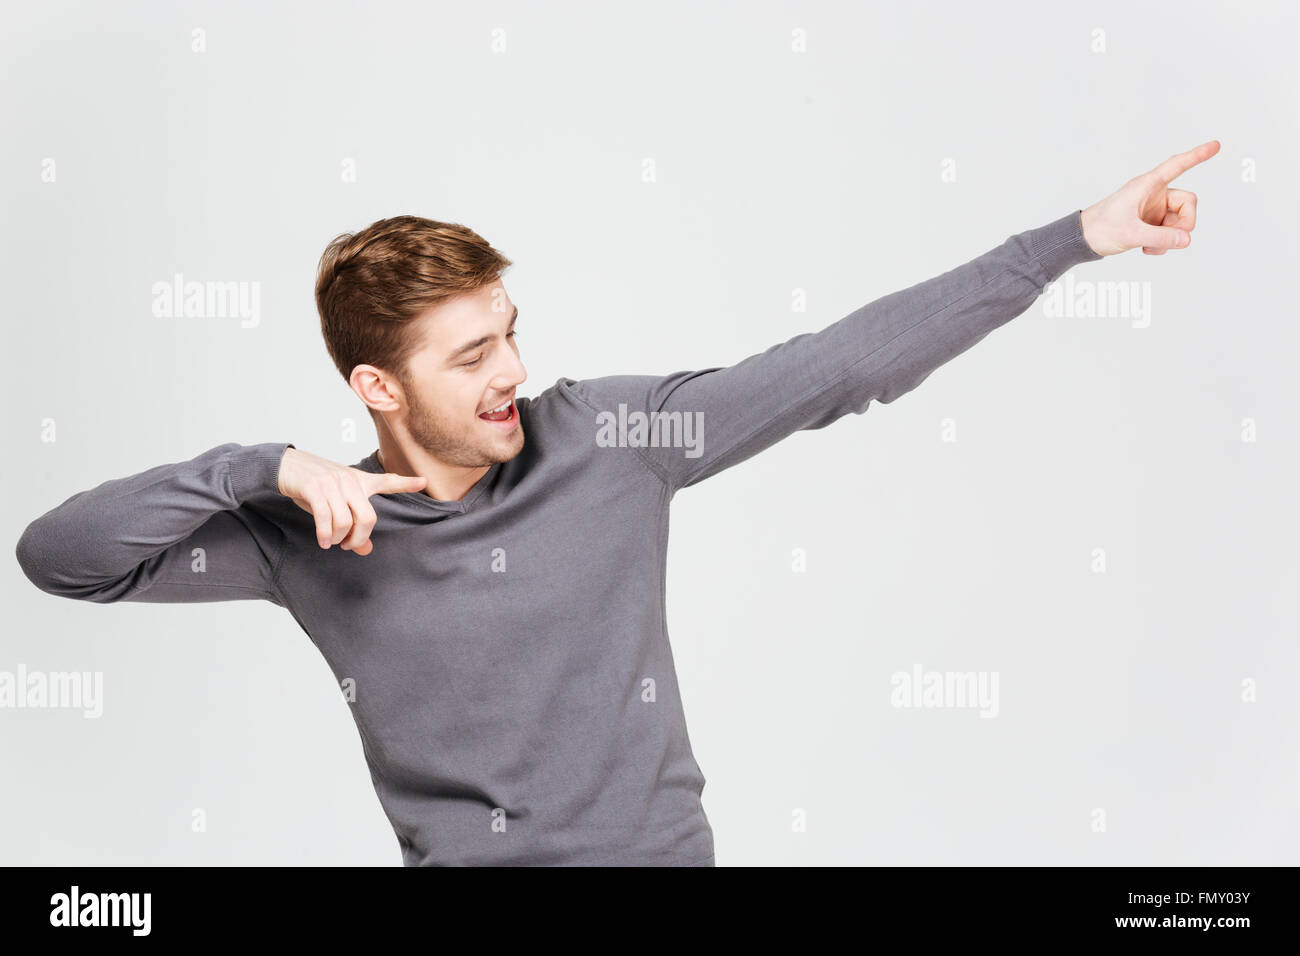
[(701, 422), (175, 533)]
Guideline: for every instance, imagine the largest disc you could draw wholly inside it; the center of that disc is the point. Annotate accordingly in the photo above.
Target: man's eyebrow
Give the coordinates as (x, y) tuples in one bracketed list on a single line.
[(471, 346)]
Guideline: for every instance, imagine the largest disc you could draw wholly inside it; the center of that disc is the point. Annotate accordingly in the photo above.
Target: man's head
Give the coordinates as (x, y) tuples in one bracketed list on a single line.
[(418, 322)]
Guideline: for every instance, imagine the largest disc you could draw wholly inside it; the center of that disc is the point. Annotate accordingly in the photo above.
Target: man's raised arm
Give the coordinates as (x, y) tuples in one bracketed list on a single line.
[(707, 420)]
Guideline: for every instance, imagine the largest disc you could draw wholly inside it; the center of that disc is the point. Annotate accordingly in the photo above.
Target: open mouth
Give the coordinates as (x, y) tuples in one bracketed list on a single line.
[(506, 413)]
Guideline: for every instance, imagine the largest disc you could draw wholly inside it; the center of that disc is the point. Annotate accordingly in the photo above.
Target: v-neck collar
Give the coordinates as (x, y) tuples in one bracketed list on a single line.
[(371, 463)]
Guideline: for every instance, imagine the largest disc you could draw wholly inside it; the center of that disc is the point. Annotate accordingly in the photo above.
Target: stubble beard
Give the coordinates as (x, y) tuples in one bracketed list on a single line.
[(455, 446)]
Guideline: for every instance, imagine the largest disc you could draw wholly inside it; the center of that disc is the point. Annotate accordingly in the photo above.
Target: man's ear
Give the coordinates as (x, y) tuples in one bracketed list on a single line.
[(379, 391)]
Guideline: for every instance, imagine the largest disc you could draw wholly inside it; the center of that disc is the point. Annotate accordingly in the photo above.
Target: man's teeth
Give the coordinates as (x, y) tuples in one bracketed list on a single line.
[(493, 411)]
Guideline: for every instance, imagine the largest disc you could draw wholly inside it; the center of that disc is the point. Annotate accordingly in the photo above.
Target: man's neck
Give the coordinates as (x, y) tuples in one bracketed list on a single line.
[(446, 482)]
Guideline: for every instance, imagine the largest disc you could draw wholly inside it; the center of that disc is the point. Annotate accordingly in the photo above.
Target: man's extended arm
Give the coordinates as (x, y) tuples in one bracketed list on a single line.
[(888, 347), (877, 353)]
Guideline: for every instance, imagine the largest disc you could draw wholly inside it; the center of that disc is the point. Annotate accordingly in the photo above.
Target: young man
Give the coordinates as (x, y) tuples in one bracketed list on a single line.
[(497, 618)]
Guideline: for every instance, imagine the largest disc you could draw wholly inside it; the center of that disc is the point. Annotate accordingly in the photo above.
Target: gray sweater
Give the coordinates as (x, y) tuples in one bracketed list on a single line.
[(505, 657)]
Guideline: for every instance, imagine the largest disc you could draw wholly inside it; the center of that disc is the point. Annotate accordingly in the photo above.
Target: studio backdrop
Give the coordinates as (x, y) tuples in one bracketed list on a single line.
[(1041, 610)]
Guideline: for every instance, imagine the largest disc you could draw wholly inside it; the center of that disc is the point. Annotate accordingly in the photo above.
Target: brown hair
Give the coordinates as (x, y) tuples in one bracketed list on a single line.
[(371, 284)]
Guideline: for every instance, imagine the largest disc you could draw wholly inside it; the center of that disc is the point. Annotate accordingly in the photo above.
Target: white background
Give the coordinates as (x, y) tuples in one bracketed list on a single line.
[(774, 170)]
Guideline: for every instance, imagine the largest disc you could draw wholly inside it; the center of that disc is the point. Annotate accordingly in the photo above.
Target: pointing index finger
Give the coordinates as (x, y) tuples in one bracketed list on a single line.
[(389, 484), (1180, 163)]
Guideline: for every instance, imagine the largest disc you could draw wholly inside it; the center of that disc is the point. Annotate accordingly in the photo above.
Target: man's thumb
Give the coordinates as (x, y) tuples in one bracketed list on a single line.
[(1162, 237)]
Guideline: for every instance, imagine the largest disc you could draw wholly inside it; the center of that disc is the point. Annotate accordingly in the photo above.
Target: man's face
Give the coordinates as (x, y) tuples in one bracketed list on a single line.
[(467, 365)]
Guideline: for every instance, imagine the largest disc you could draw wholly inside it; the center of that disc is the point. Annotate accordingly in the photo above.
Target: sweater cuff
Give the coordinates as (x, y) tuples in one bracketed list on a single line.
[(255, 469), (1059, 245)]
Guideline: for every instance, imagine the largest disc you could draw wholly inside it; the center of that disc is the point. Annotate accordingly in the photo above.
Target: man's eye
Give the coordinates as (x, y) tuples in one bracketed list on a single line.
[(509, 335)]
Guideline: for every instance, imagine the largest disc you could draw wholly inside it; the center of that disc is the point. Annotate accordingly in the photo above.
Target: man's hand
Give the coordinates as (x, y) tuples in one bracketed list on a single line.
[(338, 497), (1145, 212)]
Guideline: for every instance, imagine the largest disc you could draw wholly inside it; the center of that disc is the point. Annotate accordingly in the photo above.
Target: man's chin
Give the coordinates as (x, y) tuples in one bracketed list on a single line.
[(508, 448)]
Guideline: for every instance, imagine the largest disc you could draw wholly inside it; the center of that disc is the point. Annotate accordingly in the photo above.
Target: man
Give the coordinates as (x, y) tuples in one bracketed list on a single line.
[(498, 626)]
